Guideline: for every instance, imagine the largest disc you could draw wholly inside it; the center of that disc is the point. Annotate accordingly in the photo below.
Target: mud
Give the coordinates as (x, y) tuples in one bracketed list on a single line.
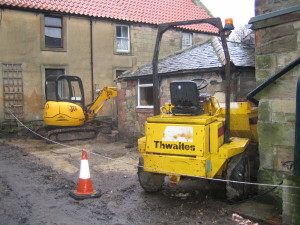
[(36, 179)]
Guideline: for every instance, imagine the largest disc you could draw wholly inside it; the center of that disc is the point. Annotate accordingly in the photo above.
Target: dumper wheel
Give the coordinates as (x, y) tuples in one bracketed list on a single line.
[(238, 169), (150, 182)]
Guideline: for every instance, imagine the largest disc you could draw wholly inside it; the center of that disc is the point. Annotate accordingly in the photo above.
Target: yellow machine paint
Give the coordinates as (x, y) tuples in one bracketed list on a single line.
[(63, 114), (192, 145)]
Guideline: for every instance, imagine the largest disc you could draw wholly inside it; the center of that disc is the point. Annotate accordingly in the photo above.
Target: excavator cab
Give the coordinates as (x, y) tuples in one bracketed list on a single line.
[(65, 88), (65, 101)]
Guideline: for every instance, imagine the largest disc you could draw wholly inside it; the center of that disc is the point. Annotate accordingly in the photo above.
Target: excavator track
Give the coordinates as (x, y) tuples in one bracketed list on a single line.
[(63, 134), (72, 134)]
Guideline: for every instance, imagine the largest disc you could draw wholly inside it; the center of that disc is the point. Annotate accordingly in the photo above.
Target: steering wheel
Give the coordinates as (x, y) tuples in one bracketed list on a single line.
[(202, 83)]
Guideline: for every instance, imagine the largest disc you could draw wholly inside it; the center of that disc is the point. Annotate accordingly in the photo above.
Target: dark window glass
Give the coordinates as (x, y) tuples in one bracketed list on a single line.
[(57, 72), (119, 72), (146, 96), (146, 80), (50, 95)]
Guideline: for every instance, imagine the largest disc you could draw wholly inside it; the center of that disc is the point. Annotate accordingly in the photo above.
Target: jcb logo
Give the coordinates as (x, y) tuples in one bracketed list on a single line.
[(72, 108)]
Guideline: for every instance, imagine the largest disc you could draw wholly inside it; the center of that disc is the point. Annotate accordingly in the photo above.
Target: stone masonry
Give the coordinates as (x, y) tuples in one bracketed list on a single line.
[(277, 45)]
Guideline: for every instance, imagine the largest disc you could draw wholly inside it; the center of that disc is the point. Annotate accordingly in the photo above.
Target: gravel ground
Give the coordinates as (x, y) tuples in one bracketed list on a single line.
[(36, 179)]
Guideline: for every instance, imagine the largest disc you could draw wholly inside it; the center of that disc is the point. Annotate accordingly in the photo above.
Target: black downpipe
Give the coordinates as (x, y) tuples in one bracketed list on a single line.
[(92, 58), (297, 133), (265, 84)]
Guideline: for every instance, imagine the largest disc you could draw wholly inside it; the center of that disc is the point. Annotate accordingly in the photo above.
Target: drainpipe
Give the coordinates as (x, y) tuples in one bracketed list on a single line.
[(297, 133), (92, 58)]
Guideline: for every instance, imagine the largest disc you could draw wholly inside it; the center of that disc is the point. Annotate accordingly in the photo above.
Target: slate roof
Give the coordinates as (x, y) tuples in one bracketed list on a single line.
[(200, 57), (142, 11)]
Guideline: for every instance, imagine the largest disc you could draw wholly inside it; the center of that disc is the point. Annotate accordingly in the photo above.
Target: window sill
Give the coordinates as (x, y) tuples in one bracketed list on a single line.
[(54, 49), (123, 53), (144, 107)]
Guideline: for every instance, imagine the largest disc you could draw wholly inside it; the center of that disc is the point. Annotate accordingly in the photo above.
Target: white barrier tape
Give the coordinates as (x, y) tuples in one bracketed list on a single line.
[(159, 171)]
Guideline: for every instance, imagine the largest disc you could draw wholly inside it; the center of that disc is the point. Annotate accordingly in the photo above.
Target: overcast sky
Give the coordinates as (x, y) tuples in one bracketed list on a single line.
[(240, 10)]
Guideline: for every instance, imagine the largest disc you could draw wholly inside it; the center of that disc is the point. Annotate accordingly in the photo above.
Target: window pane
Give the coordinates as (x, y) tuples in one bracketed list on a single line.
[(50, 91), (119, 72), (52, 21), (57, 72), (186, 40), (122, 44), (146, 96), (124, 31), (76, 92), (63, 90), (119, 33), (50, 95), (53, 37)]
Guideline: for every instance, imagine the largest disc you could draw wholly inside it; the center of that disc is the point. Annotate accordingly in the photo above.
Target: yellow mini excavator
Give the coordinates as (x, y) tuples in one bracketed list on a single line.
[(65, 114), (190, 137)]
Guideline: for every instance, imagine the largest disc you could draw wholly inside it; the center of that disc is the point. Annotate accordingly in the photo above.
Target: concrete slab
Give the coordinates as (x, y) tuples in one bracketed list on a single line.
[(256, 210)]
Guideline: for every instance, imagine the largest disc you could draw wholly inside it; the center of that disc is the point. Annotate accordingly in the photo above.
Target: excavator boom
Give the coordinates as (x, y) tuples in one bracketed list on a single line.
[(105, 94)]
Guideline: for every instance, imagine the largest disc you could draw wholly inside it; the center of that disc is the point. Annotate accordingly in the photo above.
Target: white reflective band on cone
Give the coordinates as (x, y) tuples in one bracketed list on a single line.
[(84, 170)]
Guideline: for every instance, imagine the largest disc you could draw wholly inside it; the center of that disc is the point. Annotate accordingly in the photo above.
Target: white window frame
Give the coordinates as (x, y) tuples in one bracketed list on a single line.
[(139, 95), (187, 40), (123, 38)]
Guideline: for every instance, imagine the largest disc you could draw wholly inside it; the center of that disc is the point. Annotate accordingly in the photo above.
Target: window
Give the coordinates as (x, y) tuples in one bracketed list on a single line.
[(52, 71), (53, 32), (119, 72), (187, 40), (145, 93), (51, 87), (122, 38)]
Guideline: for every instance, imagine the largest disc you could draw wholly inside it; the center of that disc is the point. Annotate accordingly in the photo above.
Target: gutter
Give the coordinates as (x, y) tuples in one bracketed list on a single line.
[(274, 14)]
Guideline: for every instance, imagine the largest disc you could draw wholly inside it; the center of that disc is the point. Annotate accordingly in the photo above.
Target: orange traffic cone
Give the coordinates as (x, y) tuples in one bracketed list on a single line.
[(85, 187)]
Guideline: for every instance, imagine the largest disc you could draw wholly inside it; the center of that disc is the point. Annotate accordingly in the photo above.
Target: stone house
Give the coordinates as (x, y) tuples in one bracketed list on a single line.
[(205, 60), (96, 40), (277, 30)]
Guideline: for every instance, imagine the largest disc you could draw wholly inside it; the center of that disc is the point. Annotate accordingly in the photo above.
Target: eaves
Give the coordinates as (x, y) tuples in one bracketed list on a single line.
[(58, 13)]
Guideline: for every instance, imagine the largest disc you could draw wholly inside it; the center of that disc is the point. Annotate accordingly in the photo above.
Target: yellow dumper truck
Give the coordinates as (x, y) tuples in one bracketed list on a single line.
[(190, 137)]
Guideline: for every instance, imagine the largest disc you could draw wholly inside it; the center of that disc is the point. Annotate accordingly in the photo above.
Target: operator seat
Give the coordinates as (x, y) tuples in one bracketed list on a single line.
[(185, 98)]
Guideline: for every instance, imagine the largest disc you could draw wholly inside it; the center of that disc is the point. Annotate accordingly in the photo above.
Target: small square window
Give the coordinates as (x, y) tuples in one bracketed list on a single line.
[(122, 38)]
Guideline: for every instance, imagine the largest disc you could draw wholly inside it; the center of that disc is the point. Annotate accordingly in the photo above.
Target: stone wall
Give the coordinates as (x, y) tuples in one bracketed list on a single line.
[(131, 119), (277, 45), (143, 42)]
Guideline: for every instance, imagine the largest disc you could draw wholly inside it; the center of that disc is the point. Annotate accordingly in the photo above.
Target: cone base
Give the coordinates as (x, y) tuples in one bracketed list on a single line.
[(96, 194)]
